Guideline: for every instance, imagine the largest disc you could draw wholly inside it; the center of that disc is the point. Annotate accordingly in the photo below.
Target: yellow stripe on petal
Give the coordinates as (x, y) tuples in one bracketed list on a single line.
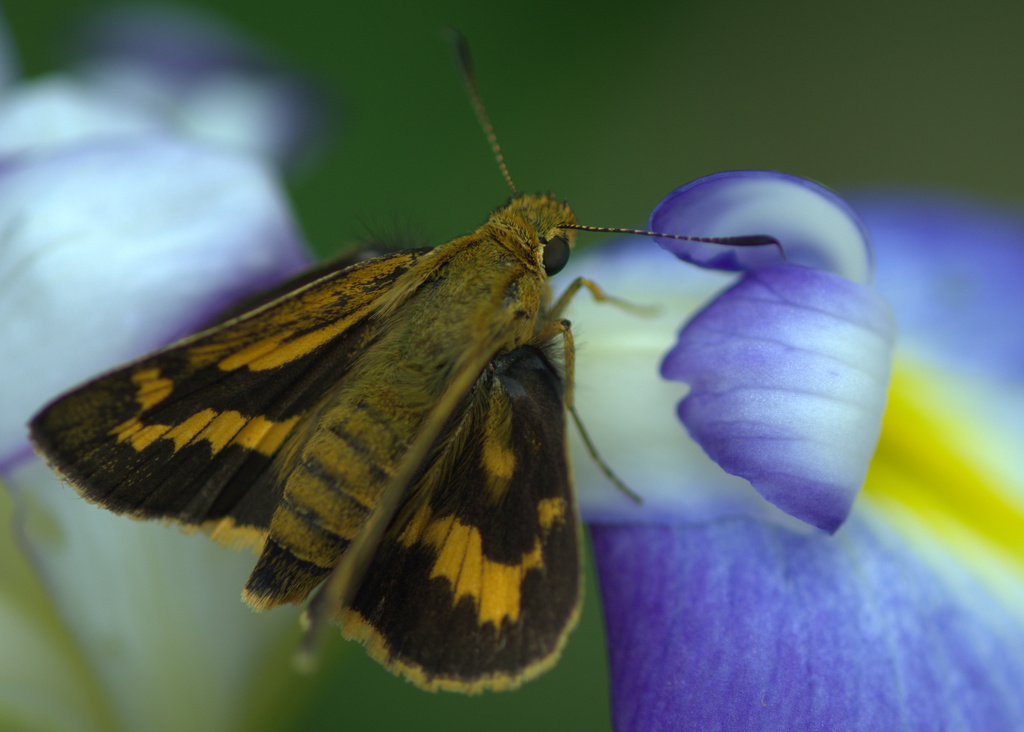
[(929, 474)]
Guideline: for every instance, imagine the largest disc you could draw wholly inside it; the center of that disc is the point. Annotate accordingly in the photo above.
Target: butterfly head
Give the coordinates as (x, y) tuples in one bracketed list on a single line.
[(534, 226)]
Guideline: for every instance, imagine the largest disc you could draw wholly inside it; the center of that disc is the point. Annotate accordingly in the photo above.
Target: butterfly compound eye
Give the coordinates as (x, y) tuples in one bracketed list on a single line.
[(556, 254)]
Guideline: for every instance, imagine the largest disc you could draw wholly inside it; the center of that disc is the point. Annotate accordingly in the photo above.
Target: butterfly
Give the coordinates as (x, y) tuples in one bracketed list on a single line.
[(389, 434), (406, 413)]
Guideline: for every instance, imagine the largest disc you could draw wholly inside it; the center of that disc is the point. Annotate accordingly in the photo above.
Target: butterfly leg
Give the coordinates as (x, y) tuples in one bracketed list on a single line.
[(561, 326), (556, 327), (555, 313)]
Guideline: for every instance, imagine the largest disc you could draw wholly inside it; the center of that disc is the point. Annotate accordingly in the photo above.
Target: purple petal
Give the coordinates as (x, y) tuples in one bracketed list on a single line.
[(112, 249), (788, 373), (951, 269), (813, 225), (738, 625)]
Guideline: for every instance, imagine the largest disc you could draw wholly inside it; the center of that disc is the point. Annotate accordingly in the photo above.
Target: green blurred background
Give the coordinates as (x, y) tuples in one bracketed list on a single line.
[(610, 106)]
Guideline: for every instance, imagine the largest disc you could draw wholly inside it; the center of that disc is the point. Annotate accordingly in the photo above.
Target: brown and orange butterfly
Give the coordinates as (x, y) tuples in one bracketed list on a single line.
[(392, 431)]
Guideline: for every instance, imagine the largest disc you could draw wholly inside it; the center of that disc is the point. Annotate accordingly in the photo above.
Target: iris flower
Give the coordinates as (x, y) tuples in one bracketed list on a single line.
[(758, 585), (902, 609)]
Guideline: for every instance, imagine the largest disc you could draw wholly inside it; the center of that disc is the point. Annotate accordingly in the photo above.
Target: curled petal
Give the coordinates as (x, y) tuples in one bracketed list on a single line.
[(616, 383), (111, 249), (788, 373), (813, 225), (738, 625)]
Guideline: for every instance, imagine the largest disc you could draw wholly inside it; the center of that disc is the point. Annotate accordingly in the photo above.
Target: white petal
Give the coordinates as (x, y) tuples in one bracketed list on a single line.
[(57, 110), (156, 613)]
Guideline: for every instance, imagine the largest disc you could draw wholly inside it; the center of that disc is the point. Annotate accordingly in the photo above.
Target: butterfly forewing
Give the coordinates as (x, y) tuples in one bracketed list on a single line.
[(189, 432)]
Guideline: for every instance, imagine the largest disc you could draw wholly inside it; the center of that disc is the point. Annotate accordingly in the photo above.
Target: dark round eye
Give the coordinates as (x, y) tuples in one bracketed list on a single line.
[(556, 254)]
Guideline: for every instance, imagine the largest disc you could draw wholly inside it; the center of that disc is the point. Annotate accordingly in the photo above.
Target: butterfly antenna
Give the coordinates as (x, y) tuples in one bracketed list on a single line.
[(461, 48), (754, 240)]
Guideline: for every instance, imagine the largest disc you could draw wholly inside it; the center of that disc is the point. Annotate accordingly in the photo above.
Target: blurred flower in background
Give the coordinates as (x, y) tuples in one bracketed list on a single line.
[(128, 220), (205, 79)]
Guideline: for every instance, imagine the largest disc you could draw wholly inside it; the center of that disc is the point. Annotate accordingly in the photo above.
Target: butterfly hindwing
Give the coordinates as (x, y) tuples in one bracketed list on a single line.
[(189, 433), (477, 582)]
